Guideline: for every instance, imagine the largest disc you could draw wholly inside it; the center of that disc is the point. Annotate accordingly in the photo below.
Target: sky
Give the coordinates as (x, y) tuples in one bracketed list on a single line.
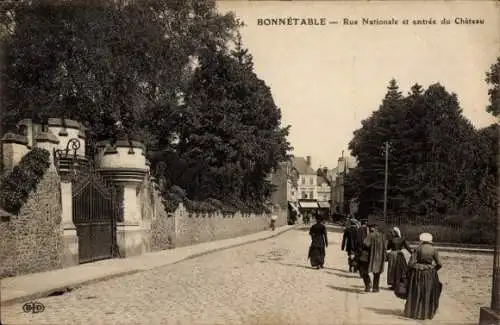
[(327, 78)]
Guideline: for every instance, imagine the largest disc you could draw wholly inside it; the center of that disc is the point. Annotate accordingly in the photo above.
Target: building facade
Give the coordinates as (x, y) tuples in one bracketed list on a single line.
[(306, 182), (344, 164)]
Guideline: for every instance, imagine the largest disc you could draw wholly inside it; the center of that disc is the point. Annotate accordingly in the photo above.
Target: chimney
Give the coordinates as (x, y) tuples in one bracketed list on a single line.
[(308, 160)]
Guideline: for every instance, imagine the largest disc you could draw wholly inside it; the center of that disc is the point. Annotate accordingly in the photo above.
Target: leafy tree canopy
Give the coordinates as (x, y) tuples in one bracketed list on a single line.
[(173, 74)]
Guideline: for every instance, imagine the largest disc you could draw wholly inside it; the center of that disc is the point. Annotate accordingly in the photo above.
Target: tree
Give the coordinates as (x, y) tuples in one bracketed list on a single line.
[(231, 121), (431, 157), (367, 146), (120, 68), (156, 71), (493, 79)]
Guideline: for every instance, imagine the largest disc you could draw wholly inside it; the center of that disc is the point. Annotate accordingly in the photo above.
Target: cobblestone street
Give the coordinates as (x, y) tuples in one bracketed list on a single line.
[(268, 282)]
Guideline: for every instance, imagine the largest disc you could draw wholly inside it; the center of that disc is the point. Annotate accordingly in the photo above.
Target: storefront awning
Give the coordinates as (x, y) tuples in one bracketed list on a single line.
[(324, 205), (309, 205)]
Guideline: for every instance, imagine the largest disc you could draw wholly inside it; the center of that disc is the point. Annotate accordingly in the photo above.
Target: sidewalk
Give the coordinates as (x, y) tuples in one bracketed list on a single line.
[(37, 285)]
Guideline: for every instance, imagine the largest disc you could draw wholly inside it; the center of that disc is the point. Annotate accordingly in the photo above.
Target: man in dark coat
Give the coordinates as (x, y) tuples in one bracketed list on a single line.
[(373, 257), (350, 244)]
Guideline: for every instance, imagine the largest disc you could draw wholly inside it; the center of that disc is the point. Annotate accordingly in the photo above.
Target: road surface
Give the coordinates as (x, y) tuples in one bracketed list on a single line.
[(268, 282)]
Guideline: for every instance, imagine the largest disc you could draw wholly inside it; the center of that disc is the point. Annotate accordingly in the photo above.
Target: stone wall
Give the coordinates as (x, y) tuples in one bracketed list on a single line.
[(158, 225), (193, 228), (32, 240), (182, 228)]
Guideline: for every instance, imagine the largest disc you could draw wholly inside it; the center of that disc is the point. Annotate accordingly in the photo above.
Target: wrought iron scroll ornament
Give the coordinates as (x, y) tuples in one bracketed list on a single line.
[(70, 153)]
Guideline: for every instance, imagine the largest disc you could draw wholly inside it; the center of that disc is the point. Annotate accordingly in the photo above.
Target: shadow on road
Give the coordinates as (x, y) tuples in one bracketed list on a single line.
[(387, 311), (345, 275), (329, 228), (298, 265), (334, 269), (350, 290)]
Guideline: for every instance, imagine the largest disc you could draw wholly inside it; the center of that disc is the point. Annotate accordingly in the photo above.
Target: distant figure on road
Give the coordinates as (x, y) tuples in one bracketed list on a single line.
[(424, 287), (396, 266), (273, 221), (319, 241), (350, 244), (306, 218), (373, 258)]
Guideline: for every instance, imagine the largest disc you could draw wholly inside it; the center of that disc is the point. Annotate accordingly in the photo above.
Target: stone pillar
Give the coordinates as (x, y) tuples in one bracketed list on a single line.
[(70, 237), (125, 163)]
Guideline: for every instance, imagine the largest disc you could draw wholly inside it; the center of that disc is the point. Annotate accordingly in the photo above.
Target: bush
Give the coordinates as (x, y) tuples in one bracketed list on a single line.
[(23, 179), (176, 195), (469, 233)]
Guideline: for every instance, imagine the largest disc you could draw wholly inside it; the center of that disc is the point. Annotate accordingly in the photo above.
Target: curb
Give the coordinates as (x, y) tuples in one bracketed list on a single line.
[(77, 285), (465, 250), (61, 290)]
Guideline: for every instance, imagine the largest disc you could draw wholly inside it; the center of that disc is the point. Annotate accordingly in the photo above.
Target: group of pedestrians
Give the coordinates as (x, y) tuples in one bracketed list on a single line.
[(411, 273)]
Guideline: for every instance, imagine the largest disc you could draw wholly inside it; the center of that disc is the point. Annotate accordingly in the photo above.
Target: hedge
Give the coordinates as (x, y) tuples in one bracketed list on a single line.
[(23, 179), (176, 195)]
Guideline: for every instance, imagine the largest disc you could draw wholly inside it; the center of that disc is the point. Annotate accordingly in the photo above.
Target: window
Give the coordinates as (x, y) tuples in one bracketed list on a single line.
[(304, 195), (303, 180), (311, 196), (311, 180)]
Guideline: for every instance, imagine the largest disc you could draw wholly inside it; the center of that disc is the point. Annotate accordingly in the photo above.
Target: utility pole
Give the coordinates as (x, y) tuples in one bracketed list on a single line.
[(386, 179), (488, 316), (491, 315)]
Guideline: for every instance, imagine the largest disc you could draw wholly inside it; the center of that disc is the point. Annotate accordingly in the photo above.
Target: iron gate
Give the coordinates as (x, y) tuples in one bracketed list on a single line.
[(94, 214)]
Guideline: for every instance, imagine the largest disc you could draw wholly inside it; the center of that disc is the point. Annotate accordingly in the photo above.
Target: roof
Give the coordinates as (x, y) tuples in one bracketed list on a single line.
[(300, 164)]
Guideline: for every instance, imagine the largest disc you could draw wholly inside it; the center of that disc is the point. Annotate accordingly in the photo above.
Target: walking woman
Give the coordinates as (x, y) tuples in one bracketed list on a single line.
[(424, 287), (396, 266), (319, 241)]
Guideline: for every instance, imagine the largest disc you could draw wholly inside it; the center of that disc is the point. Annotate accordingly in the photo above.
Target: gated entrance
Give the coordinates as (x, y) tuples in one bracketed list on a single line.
[(94, 214)]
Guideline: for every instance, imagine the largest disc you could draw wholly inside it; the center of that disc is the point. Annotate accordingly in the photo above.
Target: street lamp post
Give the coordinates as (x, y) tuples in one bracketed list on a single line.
[(386, 179), (495, 290)]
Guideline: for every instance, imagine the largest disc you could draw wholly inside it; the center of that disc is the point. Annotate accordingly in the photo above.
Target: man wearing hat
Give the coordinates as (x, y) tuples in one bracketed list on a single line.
[(373, 257)]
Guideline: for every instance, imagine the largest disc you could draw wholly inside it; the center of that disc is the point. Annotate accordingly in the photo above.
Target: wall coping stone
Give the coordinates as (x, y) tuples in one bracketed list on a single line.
[(132, 143), (47, 137), (110, 150), (70, 124), (15, 138)]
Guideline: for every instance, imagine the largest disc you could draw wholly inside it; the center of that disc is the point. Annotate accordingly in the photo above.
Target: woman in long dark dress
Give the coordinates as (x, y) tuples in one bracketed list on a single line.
[(319, 241), (424, 288), (396, 266)]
